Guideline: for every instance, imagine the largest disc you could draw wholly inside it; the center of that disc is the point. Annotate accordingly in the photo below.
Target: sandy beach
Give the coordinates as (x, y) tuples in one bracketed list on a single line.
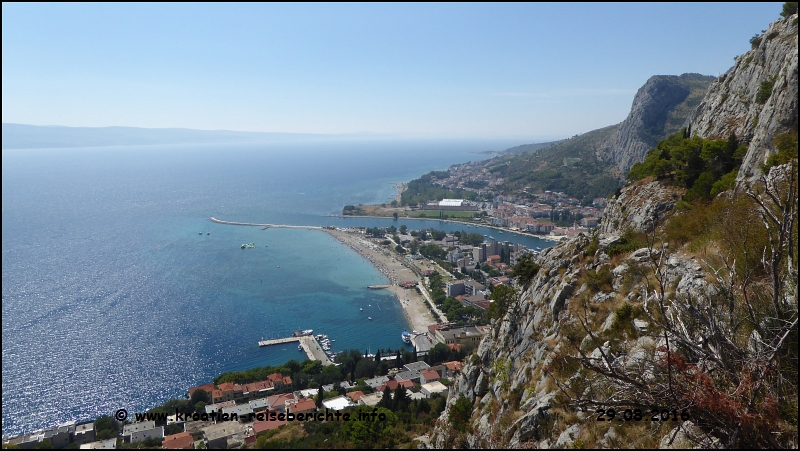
[(414, 305)]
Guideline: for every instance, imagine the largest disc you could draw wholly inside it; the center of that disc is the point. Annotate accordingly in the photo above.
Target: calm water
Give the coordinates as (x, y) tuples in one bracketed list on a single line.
[(112, 299)]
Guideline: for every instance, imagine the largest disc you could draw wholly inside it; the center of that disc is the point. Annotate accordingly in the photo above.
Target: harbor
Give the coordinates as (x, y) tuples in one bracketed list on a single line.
[(308, 344)]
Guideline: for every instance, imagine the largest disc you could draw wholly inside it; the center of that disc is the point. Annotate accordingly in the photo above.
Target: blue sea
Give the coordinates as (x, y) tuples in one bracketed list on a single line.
[(118, 292)]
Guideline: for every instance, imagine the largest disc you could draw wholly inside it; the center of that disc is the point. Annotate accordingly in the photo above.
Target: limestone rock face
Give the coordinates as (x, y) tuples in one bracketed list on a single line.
[(506, 379), (637, 206), (732, 105), (652, 117)]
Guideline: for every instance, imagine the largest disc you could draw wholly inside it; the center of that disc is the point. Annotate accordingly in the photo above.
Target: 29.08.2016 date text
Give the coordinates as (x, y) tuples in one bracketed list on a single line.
[(639, 415)]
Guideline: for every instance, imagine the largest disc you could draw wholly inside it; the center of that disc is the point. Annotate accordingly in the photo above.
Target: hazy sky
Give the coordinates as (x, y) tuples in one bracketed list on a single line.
[(534, 71)]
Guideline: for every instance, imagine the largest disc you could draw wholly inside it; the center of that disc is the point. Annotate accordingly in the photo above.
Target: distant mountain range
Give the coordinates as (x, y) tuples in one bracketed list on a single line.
[(22, 136)]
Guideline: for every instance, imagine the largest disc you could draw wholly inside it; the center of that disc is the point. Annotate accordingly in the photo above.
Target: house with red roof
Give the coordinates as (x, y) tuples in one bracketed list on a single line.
[(268, 425), (393, 384), (355, 395), (429, 375), (305, 405), (181, 440), (450, 369)]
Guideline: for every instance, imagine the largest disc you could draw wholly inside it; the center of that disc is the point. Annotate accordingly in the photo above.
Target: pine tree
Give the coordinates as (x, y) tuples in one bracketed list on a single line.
[(378, 356), (320, 395)]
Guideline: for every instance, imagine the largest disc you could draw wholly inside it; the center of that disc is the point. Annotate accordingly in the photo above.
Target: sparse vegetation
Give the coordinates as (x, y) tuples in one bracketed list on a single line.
[(764, 91)]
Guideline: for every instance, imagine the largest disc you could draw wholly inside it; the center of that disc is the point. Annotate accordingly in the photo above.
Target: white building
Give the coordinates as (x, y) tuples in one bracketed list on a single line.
[(432, 388)]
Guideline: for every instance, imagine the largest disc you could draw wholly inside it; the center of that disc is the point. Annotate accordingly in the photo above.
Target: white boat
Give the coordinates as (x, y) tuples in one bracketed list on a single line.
[(361, 309), (406, 337), (300, 348), (369, 318)]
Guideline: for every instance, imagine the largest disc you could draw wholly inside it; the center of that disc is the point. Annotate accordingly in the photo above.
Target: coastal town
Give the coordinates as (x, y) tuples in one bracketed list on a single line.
[(429, 271), (486, 201), (443, 282)]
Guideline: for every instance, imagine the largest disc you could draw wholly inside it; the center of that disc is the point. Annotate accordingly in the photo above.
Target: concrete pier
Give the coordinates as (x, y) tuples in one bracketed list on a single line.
[(309, 344)]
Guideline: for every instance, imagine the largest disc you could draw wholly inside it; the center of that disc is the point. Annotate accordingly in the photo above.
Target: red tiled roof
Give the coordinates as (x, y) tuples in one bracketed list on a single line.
[(304, 405), (407, 383), (227, 386), (257, 386), (279, 400), (355, 395), (275, 377), (268, 425), (181, 440), (391, 385), (455, 365), (287, 380), (206, 387), (454, 347), (429, 375)]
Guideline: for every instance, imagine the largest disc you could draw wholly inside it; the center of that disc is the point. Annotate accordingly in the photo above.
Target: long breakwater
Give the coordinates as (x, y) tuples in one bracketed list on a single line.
[(277, 226)]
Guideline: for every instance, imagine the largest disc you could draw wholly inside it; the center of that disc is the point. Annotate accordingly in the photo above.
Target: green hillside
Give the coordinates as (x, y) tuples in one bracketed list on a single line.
[(570, 166)]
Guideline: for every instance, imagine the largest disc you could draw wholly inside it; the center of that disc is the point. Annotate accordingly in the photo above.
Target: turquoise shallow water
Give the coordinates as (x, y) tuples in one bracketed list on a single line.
[(112, 299)]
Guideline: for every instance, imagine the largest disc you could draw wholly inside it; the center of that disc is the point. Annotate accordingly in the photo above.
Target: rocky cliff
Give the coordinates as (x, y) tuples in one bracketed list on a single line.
[(507, 379), (757, 98), (659, 109), (582, 330)]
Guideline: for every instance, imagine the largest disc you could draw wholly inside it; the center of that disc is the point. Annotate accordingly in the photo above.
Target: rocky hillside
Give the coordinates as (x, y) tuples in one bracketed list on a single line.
[(757, 99), (659, 109), (593, 164), (692, 313), (514, 397)]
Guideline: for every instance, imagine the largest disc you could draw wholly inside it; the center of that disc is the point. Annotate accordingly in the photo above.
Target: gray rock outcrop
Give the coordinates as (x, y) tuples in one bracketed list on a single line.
[(733, 104), (653, 116)]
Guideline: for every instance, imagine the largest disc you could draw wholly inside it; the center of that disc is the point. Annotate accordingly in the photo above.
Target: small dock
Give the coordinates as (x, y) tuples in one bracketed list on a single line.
[(309, 344), (278, 341), (378, 287)]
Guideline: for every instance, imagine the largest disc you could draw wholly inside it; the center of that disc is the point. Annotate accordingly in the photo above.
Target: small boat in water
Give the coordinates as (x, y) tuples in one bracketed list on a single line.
[(406, 337), (303, 333), (369, 318)]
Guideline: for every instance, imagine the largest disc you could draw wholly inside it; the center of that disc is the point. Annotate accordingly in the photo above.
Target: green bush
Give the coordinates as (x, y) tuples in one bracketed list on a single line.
[(725, 183), (624, 312), (764, 91), (602, 280), (789, 8), (786, 144)]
